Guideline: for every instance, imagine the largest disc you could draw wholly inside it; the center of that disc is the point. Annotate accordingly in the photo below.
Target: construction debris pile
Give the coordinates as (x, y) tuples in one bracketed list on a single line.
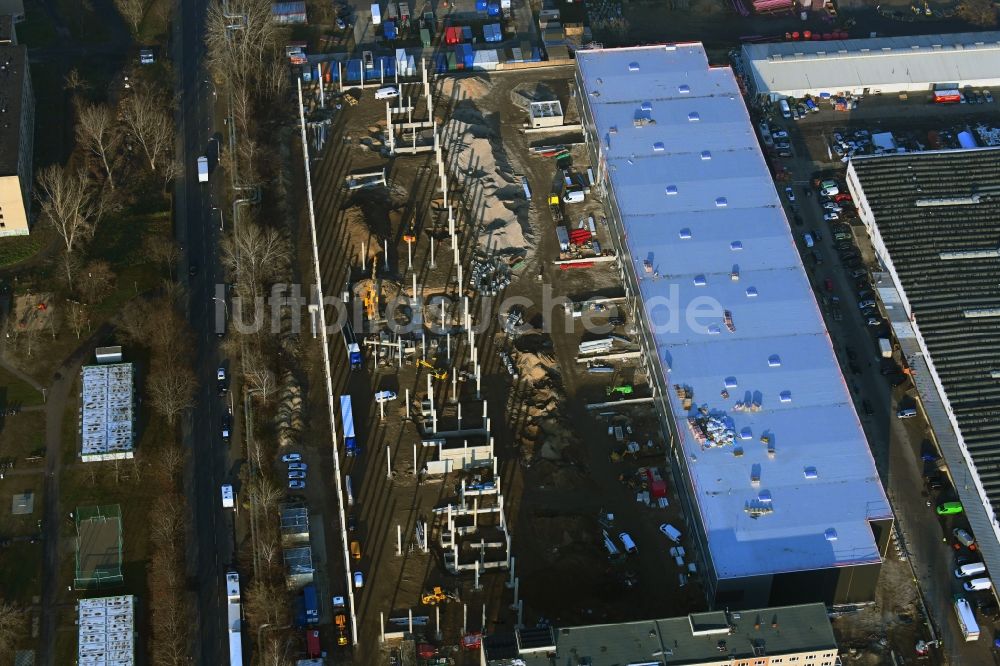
[(489, 275), (711, 431)]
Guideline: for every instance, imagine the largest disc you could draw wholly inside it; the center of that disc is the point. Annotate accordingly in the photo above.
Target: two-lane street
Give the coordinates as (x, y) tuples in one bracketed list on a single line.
[(211, 544)]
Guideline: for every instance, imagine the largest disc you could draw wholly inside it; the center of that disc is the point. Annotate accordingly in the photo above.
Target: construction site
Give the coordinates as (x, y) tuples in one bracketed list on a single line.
[(506, 424)]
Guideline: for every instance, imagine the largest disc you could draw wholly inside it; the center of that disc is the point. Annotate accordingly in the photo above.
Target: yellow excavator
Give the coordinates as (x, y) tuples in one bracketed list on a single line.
[(370, 297), (436, 373), (438, 596)]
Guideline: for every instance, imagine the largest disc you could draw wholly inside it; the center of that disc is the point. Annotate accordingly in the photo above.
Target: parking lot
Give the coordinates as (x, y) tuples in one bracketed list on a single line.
[(840, 262)]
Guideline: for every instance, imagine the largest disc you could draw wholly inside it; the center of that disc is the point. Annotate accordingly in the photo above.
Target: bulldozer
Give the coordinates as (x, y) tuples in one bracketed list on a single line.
[(438, 596), (436, 373)]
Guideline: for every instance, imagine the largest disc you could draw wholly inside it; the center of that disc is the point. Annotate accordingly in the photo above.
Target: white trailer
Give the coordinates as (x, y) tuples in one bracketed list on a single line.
[(966, 619), (203, 169)]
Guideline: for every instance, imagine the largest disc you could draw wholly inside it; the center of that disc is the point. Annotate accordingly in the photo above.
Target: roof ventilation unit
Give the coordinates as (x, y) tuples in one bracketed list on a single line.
[(658, 147), (671, 190), (785, 396), (646, 106), (751, 292), (830, 534), (633, 67), (694, 117), (810, 473), (774, 361), (736, 246), (700, 281), (706, 154), (684, 89), (684, 233), (721, 202)]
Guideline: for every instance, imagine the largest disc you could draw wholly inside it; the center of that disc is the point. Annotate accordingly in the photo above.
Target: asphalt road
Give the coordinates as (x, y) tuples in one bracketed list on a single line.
[(210, 538)]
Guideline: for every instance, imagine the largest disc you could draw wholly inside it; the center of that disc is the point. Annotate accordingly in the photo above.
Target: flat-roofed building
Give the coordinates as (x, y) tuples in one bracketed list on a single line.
[(783, 500), (870, 66), (17, 107), (106, 631), (795, 635), (934, 222), (107, 412)]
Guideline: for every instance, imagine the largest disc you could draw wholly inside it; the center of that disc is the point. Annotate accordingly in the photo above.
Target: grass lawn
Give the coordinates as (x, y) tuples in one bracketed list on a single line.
[(16, 249), (22, 436), (83, 21), (155, 26), (13, 390), (36, 30), (21, 572)]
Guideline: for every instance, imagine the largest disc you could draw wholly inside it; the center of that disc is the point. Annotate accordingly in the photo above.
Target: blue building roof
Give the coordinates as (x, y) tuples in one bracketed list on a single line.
[(731, 309)]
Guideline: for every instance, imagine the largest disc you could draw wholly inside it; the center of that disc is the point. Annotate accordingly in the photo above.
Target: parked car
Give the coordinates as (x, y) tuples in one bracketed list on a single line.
[(296, 485), (988, 96), (874, 321), (782, 145), (385, 396), (935, 482), (784, 153), (359, 579), (831, 206), (628, 543), (790, 194), (828, 284), (297, 467), (227, 424), (387, 92), (222, 382), (906, 413), (964, 537), (291, 457), (779, 134), (829, 217), (866, 304), (296, 474), (949, 508)]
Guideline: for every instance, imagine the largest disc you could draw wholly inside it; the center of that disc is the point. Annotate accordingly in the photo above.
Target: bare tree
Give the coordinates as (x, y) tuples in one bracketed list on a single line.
[(69, 205), (980, 13), (74, 83), (76, 315), (240, 34), (171, 169), (134, 321), (169, 463), (132, 11), (144, 114), (258, 376), (162, 249), (97, 130), (13, 624), (171, 390), (255, 254), (96, 281)]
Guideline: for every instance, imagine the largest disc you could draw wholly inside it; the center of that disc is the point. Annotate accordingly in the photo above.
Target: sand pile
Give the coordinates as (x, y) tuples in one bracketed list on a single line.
[(535, 367), (477, 162)]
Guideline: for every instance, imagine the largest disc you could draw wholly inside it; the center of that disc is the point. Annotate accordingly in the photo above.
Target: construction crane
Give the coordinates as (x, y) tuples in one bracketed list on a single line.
[(436, 373), (438, 596)]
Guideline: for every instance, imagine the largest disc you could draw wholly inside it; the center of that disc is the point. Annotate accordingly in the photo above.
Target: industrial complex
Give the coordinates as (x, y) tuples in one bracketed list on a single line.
[(871, 66), (934, 220), (785, 503)]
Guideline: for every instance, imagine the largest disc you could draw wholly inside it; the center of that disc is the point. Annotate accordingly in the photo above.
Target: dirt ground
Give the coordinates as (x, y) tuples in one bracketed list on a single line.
[(555, 460)]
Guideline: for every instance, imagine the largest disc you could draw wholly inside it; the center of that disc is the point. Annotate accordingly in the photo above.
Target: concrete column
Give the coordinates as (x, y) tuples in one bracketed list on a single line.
[(407, 404), (437, 623), (510, 581), (381, 615), (517, 586), (415, 470), (399, 539), (410, 615), (388, 463)]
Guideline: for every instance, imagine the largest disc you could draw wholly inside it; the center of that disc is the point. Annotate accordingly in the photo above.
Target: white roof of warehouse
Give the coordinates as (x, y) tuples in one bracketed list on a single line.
[(106, 412), (106, 631), (726, 203), (918, 61)]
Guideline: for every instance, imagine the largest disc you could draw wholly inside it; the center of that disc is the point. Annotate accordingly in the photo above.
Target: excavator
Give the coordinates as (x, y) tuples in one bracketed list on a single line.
[(623, 390), (370, 297), (438, 596), (436, 373)]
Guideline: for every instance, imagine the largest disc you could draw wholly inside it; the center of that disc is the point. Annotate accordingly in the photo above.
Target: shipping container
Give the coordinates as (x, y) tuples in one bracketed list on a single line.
[(947, 96), (425, 37), (480, 5), (389, 30), (376, 14), (310, 603)]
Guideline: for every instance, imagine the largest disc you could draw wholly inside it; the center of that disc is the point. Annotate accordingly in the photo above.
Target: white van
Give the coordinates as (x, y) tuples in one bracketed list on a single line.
[(978, 584), (786, 111), (387, 92), (573, 196), (808, 240), (907, 413), (627, 542), (971, 569), (227, 497)]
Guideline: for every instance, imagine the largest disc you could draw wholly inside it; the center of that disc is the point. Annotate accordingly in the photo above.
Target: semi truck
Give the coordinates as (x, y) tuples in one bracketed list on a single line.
[(234, 618), (347, 421)]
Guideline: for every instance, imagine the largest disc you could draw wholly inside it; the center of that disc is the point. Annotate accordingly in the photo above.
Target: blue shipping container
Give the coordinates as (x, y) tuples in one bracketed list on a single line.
[(310, 601), (493, 9), (468, 56), (440, 63), (466, 33), (389, 30), (480, 5), (353, 70)]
